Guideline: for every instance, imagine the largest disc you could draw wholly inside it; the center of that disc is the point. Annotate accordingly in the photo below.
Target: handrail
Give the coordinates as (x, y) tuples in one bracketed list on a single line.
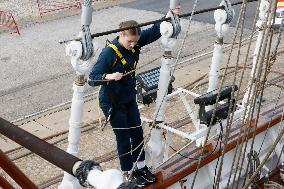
[(54, 155), (5, 184), (262, 126), (14, 172), (153, 22)]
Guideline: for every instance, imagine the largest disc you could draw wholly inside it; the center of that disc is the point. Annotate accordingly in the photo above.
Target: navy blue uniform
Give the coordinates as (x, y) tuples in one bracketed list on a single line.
[(121, 96)]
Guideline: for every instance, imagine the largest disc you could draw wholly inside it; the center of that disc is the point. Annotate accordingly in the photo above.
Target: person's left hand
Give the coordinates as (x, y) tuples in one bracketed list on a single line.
[(177, 10)]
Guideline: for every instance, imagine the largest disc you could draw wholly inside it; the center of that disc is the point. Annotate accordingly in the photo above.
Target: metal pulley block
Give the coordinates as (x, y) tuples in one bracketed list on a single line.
[(229, 10), (176, 24), (171, 29), (86, 20)]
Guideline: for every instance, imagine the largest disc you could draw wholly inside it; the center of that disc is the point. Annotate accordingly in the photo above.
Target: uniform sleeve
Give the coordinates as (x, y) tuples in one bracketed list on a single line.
[(102, 67), (150, 35)]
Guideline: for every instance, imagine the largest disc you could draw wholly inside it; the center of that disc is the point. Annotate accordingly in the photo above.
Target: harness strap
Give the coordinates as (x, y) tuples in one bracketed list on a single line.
[(118, 53)]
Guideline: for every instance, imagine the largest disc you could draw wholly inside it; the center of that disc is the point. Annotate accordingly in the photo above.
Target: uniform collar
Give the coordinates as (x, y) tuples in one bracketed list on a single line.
[(117, 44)]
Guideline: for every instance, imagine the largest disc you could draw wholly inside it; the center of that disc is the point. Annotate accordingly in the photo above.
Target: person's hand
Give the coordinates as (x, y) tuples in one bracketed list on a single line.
[(114, 76), (177, 10)]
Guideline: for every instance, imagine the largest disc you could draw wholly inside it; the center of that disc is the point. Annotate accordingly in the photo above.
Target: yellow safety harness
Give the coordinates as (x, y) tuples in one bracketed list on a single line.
[(122, 59), (124, 63)]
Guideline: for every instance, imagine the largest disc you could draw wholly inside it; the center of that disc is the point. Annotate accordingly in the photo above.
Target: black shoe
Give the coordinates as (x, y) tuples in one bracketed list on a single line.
[(147, 175), (137, 177)]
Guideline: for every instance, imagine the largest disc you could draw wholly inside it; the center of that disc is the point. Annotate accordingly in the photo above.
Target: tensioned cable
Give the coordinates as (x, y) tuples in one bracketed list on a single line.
[(218, 96), (280, 135), (217, 163), (259, 67), (230, 119), (262, 83), (240, 84), (248, 111), (238, 141), (233, 116), (282, 149), (251, 104), (153, 22), (273, 113), (270, 64)]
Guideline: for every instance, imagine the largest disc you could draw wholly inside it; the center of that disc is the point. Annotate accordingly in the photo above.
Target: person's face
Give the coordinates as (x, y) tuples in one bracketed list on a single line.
[(128, 41)]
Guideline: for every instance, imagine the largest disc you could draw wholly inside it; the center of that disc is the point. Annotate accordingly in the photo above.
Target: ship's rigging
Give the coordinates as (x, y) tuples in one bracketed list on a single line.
[(248, 161)]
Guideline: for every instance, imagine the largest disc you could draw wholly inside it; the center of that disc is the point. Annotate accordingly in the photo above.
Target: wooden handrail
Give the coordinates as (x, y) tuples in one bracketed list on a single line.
[(265, 122), (14, 172), (5, 184), (54, 155)]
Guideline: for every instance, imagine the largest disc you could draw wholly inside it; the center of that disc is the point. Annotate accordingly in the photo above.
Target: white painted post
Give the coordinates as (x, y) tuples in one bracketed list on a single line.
[(221, 27), (74, 49), (155, 150)]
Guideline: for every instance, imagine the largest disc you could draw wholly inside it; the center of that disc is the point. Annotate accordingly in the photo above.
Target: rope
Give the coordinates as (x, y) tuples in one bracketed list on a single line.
[(274, 111), (229, 10), (242, 124), (215, 105), (215, 171), (240, 84), (108, 80), (230, 119), (219, 141), (87, 44), (279, 158), (271, 149), (260, 84), (136, 148), (253, 162), (273, 185)]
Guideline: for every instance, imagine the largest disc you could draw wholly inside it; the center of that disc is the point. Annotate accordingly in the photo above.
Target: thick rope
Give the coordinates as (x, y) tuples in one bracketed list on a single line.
[(260, 85), (240, 84), (215, 105), (271, 149), (246, 127), (230, 120)]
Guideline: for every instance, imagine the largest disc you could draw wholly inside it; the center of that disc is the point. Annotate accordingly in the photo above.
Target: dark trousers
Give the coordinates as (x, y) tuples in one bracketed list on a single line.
[(127, 139)]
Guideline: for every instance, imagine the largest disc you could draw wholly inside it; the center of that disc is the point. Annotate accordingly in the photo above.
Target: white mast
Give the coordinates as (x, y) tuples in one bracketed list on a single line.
[(169, 31), (221, 26), (76, 51)]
